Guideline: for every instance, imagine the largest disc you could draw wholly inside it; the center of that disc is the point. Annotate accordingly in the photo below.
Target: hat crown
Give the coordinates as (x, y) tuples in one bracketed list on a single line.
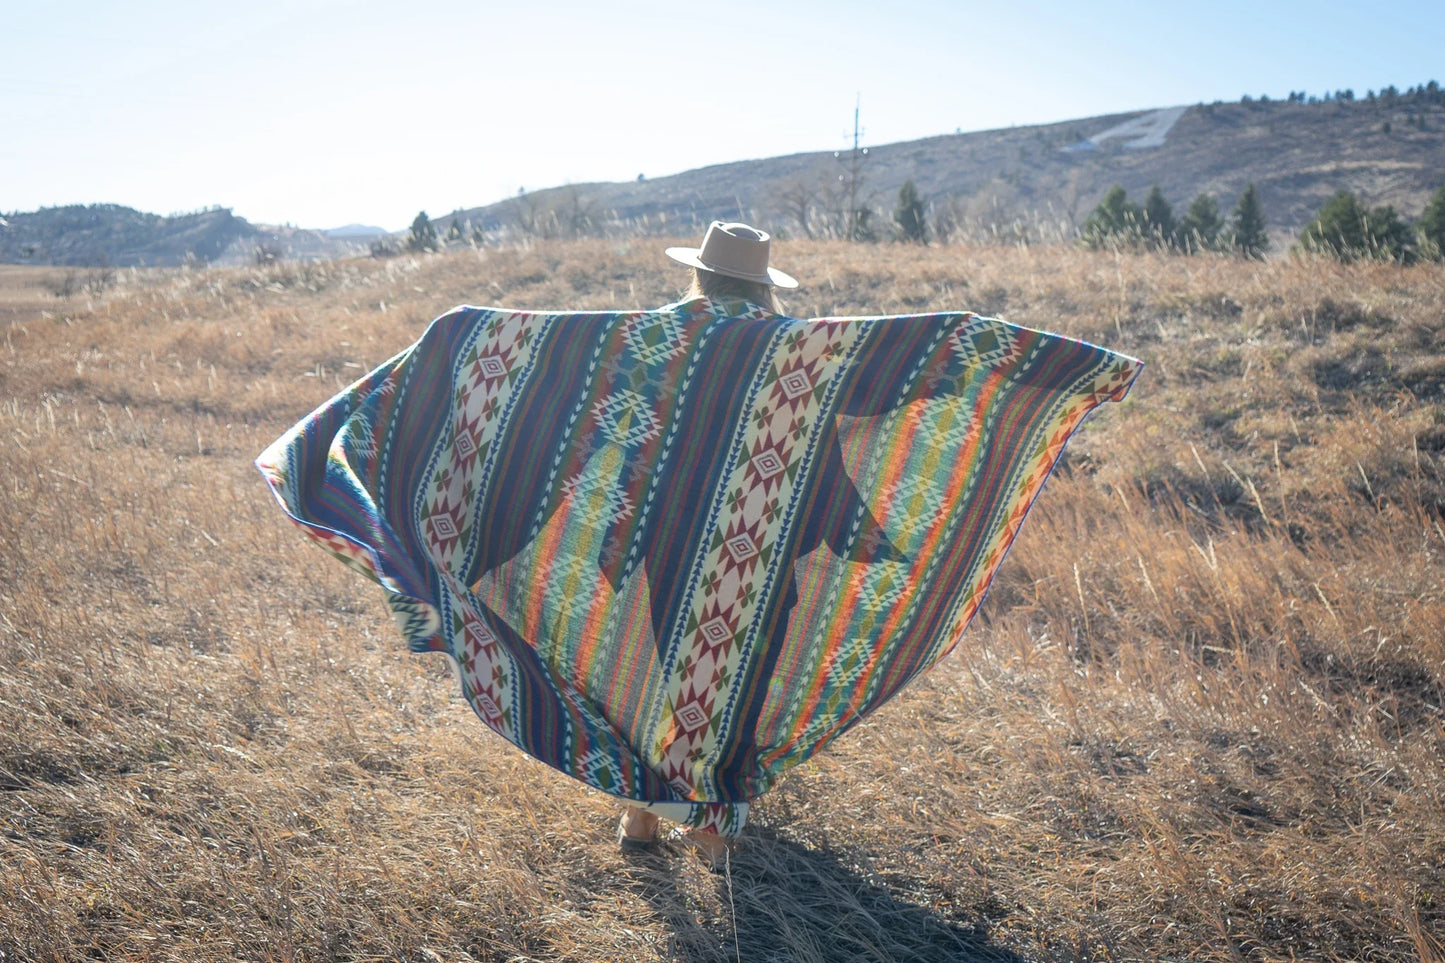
[(735, 249)]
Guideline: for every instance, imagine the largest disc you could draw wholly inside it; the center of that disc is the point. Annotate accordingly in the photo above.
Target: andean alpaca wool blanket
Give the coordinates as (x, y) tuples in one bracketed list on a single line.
[(675, 552)]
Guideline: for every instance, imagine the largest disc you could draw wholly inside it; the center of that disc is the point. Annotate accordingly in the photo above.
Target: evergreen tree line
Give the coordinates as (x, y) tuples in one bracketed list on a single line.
[(1119, 221), (1345, 228), (1422, 94)]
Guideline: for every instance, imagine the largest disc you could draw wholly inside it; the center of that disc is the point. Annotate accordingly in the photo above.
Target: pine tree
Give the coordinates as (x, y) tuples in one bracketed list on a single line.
[(1431, 225), (1200, 226), (423, 236), (1115, 219), (1338, 229), (1248, 229), (1347, 230), (1158, 218), (908, 214)]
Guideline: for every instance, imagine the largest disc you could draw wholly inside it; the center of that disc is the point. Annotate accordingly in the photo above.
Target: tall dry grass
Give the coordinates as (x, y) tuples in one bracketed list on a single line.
[(1200, 717)]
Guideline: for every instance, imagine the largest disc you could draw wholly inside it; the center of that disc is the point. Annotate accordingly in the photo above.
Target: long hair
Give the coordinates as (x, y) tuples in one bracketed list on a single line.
[(710, 284)]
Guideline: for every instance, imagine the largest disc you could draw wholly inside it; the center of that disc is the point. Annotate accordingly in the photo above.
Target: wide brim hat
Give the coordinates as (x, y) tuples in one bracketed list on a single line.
[(733, 250)]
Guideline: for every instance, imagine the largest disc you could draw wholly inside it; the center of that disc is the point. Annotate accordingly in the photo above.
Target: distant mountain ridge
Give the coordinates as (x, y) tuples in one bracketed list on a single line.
[(90, 235), (356, 231), (1388, 150)]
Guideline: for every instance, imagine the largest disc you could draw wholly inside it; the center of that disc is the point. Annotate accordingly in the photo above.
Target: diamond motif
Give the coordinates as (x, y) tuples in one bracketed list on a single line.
[(443, 526), (598, 769), (768, 463), (691, 717), (882, 590), (600, 498), (916, 497), (627, 418), (982, 342), (655, 342), (741, 547), (491, 366), (716, 630), (795, 383), (464, 444)]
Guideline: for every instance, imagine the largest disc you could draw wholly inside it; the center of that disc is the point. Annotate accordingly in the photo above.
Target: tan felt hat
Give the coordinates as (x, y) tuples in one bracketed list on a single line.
[(735, 250)]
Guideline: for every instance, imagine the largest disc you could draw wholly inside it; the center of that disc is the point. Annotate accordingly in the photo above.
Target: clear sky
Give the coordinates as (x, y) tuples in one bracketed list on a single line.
[(324, 112)]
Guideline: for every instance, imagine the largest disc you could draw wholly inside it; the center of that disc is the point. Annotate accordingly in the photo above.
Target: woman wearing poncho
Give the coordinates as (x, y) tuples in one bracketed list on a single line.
[(673, 553)]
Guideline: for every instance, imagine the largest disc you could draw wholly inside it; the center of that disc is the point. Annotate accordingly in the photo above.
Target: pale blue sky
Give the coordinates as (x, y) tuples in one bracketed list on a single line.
[(323, 112)]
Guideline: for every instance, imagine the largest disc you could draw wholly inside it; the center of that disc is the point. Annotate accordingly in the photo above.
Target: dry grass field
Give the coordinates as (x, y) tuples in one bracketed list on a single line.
[(1200, 718)]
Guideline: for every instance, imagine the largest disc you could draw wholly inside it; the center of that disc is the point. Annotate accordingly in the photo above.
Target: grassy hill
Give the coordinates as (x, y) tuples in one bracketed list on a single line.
[(1024, 182), (1200, 718)]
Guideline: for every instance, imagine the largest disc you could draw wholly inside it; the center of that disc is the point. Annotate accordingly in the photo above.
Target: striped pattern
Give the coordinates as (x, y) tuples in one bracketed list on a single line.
[(674, 552)]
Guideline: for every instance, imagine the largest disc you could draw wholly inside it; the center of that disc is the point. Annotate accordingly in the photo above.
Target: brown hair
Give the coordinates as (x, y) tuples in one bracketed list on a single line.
[(710, 284)]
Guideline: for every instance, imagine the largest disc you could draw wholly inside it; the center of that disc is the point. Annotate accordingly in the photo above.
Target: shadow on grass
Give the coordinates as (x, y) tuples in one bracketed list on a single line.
[(783, 901)]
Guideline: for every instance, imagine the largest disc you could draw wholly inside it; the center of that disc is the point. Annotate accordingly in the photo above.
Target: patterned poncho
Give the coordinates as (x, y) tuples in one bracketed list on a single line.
[(675, 552)]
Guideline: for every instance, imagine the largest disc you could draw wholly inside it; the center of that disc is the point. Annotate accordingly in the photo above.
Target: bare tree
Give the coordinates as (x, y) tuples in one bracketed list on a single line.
[(798, 199), (1071, 195), (529, 214), (576, 216)]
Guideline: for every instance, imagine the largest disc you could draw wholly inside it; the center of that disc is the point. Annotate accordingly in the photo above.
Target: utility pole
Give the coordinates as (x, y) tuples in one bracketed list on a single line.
[(853, 178)]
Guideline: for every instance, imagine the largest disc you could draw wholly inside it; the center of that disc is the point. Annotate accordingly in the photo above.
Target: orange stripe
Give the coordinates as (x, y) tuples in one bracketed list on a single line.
[(547, 542), (962, 466)]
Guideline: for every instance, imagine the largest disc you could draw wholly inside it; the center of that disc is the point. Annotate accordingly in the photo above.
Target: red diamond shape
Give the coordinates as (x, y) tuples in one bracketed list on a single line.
[(491, 366), (794, 383), (716, 630), (443, 526), (691, 717), (741, 547), (768, 463)]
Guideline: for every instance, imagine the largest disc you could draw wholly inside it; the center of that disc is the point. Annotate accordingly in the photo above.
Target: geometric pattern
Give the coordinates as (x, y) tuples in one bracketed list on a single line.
[(674, 552), (983, 344), (654, 337), (717, 630), (627, 418)]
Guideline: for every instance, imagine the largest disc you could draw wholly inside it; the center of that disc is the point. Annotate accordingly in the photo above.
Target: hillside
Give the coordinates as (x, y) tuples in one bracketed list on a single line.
[(111, 235), (1200, 716), (1040, 182)]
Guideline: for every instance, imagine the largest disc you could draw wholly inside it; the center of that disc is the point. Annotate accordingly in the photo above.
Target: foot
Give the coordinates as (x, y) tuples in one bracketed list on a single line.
[(638, 829), (713, 849)]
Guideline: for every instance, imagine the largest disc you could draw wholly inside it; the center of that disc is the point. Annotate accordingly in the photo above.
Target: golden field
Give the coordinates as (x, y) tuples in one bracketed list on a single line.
[(1200, 717)]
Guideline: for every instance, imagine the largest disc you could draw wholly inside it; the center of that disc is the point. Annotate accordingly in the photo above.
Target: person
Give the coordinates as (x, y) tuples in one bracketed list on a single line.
[(673, 553), (730, 265)]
